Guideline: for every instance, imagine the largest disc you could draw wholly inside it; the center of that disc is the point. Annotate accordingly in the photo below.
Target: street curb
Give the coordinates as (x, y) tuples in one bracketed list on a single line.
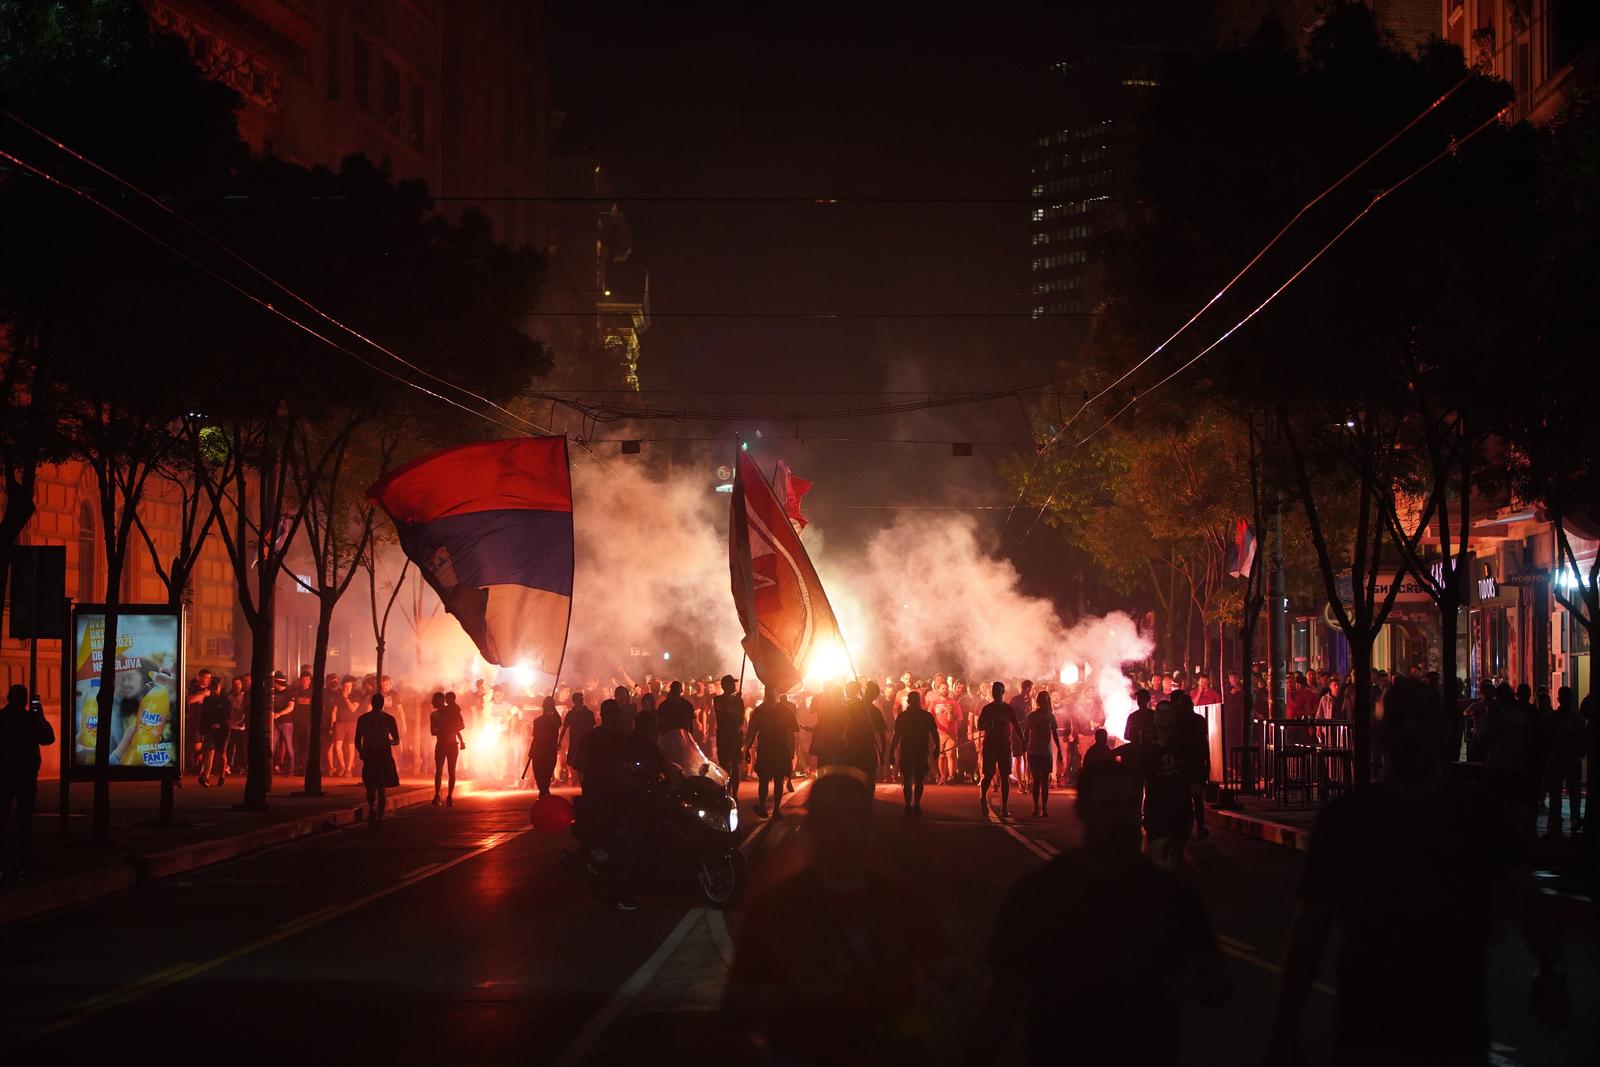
[(1568, 909), (17, 904), (1273, 833)]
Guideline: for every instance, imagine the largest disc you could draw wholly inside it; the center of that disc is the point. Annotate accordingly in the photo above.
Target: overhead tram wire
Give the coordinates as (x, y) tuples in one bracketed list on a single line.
[(61, 146), (1451, 148), (264, 304), (593, 413), (1313, 202)]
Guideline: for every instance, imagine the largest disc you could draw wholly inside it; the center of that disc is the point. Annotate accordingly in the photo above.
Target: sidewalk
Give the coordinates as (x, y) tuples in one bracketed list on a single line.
[(1557, 863), (206, 828)]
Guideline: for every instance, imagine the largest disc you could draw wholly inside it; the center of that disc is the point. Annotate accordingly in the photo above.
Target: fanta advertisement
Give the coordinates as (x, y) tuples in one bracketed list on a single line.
[(143, 710)]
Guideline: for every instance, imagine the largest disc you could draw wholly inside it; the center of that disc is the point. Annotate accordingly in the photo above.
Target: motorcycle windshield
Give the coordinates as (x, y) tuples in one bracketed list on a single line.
[(679, 750)]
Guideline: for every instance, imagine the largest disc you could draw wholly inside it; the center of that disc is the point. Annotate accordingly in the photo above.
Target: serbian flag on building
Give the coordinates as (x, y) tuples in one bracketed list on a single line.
[(786, 616), (790, 490), (1242, 553), (489, 525)]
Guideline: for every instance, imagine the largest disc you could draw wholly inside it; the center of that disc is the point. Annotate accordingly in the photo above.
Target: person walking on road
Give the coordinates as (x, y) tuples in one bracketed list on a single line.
[(445, 724), (916, 736), (1169, 771), (1411, 867), (727, 711), (377, 736), (1148, 950), (576, 726), (1039, 732), (998, 723), (773, 726), (23, 732), (282, 723), (542, 749)]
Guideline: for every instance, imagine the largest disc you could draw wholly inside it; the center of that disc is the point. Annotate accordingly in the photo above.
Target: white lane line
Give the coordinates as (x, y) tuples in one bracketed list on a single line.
[(718, 926), (1043, 850), (579, 1048), (1230, 946)]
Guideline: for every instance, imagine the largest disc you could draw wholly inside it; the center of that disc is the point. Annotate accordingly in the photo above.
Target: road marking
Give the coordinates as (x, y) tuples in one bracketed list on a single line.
[(1043, 850), (579, 1048), (718, 925), (309, 917), (184, 971), (1230, 946)]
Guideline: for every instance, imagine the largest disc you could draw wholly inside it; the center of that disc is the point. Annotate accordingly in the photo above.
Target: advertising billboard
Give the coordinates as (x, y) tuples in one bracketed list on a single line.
[(144, 710)]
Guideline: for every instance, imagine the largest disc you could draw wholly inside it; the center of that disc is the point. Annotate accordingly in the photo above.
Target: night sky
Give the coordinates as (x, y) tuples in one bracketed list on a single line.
[(894, 103)]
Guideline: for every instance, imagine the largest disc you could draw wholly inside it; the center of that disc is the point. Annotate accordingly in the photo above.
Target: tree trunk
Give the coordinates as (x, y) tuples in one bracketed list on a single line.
[(1361, 729), (319, 671), (108, 708), (378, 669), (258, 776), (1449, 625)]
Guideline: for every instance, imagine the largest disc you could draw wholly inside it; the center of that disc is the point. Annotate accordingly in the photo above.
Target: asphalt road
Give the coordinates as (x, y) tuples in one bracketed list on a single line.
[(453, 935)]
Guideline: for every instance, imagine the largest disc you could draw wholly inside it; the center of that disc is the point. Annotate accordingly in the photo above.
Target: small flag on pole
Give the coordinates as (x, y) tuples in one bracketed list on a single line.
[(1242, 555)]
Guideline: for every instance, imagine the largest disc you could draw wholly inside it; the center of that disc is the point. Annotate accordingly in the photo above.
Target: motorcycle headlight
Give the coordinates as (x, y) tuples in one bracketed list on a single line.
[(718, 820)]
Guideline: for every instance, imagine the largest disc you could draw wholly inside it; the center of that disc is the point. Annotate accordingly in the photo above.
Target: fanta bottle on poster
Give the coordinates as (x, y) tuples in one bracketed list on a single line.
[(89, 716), (155, 710)]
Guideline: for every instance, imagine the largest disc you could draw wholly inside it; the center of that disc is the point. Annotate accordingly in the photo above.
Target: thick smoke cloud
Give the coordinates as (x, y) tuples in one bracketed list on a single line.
[(923, 593)]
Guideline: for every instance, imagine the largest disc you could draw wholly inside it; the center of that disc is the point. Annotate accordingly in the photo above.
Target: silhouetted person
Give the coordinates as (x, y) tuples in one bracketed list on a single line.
[(601, 757), (377, 736), (675, 712), (1195, 732), (1039, 731), (1563, 729), (444, 723), (998, 723), (576, 726), (916, 736), (1408, 867), (861, 732), (543, 745), (23, 731), (830, 964), (1100, 752), (1168, 766), (1147, 949), (773, 726), (727, 710)]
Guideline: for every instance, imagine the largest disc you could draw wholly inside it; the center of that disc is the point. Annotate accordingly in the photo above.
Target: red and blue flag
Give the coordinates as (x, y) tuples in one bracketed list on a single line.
[(489, 525)]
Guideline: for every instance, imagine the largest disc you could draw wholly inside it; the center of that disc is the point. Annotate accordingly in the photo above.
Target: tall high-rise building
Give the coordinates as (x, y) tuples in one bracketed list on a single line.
[(1080, 168)]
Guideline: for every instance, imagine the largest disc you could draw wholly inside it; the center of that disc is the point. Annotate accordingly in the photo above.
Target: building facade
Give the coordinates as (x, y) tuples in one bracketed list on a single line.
[(454, 94)]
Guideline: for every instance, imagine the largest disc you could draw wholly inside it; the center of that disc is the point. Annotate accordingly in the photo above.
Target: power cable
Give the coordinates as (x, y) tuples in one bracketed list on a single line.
[(269, 279), (1449, 149), (69, 187)]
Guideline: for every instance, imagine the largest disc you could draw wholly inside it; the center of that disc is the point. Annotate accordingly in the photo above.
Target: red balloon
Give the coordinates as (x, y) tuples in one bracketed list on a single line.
[(552, 814)]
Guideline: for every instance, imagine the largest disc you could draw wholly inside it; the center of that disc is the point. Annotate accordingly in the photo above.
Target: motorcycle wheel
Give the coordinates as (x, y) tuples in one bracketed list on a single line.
[(722, 878)]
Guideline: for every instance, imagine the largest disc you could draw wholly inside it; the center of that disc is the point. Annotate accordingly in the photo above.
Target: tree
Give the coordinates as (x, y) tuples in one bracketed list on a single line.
[(91, 73), (1547, 410), (1234, 145), (338, 534)]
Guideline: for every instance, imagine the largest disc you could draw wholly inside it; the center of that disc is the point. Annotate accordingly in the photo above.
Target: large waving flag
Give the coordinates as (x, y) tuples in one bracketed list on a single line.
[(489, 525), (788, 622)]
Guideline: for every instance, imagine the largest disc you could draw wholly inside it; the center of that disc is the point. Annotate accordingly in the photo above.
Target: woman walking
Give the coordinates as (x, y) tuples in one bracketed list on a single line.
[(377, 734)]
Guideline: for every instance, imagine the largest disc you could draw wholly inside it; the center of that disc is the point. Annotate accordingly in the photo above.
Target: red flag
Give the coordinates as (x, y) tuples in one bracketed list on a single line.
[(780, 600), (790, 489)]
